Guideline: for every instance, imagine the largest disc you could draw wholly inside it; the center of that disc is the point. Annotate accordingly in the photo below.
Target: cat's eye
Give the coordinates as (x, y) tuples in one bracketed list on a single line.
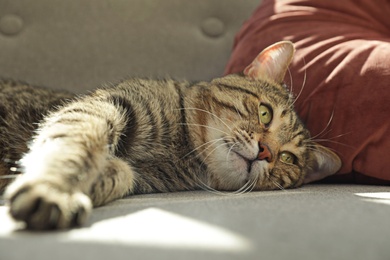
[(287, 157), (265, 114)]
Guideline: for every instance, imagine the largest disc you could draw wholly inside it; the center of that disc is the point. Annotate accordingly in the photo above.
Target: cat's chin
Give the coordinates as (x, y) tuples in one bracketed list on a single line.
[(238, 165), (241, 173), (250, 167), (243, 164)]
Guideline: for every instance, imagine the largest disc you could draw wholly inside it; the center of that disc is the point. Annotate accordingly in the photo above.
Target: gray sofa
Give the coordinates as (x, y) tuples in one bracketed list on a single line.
[(79, 45)]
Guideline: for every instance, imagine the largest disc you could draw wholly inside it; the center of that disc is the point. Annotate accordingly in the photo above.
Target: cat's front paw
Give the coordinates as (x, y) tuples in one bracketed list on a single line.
[(43, 206)]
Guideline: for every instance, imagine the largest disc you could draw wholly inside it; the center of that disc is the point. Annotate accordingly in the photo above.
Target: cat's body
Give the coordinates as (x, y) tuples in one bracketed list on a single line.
[(22, 107), (236, 133), (149, 114)]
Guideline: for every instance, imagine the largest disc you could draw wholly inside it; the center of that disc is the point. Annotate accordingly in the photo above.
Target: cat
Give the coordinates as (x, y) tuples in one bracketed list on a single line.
[(236, 134)]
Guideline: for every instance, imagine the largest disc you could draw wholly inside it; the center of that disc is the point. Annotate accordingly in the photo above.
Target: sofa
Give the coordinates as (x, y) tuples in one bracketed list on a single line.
[(79, 45)]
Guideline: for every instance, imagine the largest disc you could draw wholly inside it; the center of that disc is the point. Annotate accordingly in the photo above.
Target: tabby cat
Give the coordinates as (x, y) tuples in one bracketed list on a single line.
[(236, 133)]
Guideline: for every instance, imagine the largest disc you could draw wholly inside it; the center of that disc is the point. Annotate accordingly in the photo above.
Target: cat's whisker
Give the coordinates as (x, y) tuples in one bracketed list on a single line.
[(248, 186), (327, 125), (227, 119), (278, 185), (319, 151), (206, 187), (209, 143), (303, 85), (10, 176), (15, 169), (272, 178), (202, 184), (206, 126), (13, 166), (291, 81), (311, 146), (230, 149), (238, 112), (10, 161), (330, 138), (314, 138), (333, 142), (244, 188), (208, 112), (252, 184), (205, 158)]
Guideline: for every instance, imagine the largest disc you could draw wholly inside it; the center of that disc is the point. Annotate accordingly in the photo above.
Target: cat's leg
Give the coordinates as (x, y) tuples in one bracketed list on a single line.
[(3, 181), (72, 149), (58, 173), (116, 181), (65, 208), (47, 205)]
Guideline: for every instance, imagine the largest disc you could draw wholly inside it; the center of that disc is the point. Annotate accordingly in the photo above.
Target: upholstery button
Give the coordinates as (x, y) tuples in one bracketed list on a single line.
[(11, 24), (213, 27)]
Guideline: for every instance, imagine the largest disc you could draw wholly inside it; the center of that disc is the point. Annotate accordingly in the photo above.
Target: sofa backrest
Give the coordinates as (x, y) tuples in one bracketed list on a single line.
[(80, 44)]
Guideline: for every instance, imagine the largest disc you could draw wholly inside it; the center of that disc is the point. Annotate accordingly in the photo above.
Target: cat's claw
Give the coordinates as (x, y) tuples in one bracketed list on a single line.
[(43, 206)]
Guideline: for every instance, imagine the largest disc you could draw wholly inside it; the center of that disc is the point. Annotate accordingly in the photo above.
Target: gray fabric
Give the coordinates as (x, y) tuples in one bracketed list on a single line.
[(313, 222), (79, 44)]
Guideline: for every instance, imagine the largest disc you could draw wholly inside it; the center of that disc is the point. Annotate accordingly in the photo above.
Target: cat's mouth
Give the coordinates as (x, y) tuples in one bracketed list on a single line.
[(249, 163)]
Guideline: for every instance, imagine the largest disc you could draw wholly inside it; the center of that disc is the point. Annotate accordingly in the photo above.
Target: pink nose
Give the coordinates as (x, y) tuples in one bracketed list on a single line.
[(264, 153)]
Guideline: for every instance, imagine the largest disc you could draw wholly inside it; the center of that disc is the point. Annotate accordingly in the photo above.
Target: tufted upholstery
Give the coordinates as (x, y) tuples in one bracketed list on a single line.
[(79, 44)]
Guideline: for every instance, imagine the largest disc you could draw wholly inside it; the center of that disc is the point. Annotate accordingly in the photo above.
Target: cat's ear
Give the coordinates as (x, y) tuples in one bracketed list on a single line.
[(272, 62), (325, 163)]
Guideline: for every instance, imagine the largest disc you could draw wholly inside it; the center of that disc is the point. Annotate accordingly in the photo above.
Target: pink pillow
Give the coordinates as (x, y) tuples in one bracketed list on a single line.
[(340, 74)]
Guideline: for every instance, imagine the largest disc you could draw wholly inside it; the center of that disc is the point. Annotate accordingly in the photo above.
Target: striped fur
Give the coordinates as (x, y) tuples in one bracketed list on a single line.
[(144, 136)]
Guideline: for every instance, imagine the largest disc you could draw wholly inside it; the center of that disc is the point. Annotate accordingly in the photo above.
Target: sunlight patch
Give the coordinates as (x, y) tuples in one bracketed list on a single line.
[(158, 228), (377, 197), (7, 224)]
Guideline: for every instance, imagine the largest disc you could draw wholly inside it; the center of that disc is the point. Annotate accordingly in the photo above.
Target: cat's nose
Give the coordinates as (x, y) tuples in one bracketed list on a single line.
[(264, 153)]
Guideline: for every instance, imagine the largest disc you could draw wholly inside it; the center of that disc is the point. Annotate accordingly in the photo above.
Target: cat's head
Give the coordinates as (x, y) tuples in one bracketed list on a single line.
[(248, 134)]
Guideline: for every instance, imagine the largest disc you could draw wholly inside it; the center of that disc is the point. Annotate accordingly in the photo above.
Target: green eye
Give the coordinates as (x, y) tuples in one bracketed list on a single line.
[(265, 114), (287, 157)]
